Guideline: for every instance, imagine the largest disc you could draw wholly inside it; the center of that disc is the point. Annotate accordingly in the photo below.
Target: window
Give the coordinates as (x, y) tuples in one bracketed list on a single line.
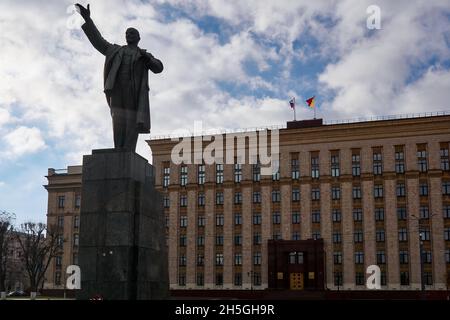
[(238, 259), (201, 241), (359, 278), (336, 215), (315, 167), (183, 200), (257, 218), (166, 177), (377, 163), (76, 222), (404, 278), (399, 162), (182, 279), (295, 217), (219, 219), (357, 214), (237, 198), (337, 257), (183, 240), (381, 257), (60, 241), (219, 259), (380, 235), (256, 170), (76, 240), (201, 174), (60, 221), (338, 279), (358, 236), (237, 219), (444, 159), (335, 165), (446, 188), (201, 221), (423, 189), (426, 256), (337, 237), (257, 238), (359, 257), (425, 234), (276, 174), (256, 197), (201, 199), (446, 211), (446, 234), (295, 194), (200, 279), (219, 198), (315, 194), (166, 202), (257, 258), (58, 278), (356, 165), (276, 236), (428, 278), (257, 279), (238, 279), (276, 218), (402, 234), (356, 192), (295, 172), (422, 161), (447, 255), (316, 216), (296, 235), (276, 196), (183, 221), (424, 213), (58, 261), (237, 240), (219, 173), (61, 201), (335, 193), (200, 259), (316, 235), (378, 191), (401, 213), (219, 279), (403, 257), (183, 175), (237, 172), (77, 201), (379, 214), (182, 260), (401, 190)]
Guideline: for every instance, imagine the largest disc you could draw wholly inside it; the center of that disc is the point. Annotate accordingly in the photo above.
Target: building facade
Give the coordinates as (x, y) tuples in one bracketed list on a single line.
[(345, 197)]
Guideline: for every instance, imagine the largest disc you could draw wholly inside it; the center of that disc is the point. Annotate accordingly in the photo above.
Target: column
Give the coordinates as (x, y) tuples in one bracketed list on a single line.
[(413, 231), (325, 231), (228, 239), (305, 210), (368, 223), (393, 263), (191, 235), (286, 196), (347, 236), (266, 231), (174, 238), (210, 254), (247, 235), (437, 234)]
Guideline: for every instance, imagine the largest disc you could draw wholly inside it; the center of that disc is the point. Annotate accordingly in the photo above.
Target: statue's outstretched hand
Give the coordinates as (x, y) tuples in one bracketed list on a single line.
[(84, 12)]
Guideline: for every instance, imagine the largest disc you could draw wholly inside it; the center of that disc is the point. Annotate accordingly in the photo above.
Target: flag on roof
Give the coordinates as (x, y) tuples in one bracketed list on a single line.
[(311, 102)]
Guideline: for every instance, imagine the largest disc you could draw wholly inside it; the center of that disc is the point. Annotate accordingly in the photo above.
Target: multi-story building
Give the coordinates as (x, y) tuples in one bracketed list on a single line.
[(64, 200), (346, 196)]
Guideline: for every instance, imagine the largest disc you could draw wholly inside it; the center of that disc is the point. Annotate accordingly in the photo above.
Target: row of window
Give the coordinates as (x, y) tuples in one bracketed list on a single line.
[(336, 216), (76, 222), (60, 240), (315, 194), (62, 201), (377, 169), (254, 278), (360, 278)]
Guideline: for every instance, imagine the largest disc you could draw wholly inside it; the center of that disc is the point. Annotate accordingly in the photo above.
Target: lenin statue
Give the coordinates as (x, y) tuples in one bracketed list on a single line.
[(125, 82)]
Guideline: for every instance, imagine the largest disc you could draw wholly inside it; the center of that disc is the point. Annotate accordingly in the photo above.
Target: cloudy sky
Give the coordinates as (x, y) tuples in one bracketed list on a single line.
[(231, 64)]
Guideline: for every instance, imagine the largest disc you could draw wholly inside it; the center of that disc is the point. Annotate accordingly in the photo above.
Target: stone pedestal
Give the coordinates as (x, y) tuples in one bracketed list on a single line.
[(122, 251)]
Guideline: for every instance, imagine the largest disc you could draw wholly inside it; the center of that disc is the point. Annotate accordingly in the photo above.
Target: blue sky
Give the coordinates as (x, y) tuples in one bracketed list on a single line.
[(228, 63)]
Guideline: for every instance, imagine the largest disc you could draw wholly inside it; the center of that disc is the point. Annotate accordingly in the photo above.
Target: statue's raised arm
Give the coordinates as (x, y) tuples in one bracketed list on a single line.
[(91, 30)]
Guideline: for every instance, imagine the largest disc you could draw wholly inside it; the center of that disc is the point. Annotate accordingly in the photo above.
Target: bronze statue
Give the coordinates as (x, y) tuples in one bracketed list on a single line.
[(125, 82)]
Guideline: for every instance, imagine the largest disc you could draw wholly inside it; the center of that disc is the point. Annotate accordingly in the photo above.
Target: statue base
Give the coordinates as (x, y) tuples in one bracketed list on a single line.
[(122, 252)]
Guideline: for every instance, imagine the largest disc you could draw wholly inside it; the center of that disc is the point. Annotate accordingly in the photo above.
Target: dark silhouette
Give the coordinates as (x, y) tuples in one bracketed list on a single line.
[(125, 82)]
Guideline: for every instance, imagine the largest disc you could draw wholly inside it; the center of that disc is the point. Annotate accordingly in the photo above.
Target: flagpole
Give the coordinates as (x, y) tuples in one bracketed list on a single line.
[(314, 112), (295, 116)]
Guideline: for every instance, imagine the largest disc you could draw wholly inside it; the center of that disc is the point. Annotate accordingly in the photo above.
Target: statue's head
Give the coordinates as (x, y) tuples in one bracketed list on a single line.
[(132, 36)]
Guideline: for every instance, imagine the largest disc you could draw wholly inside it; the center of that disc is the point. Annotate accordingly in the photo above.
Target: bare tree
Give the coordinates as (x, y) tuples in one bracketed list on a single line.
[(40, 245), (6, 229)]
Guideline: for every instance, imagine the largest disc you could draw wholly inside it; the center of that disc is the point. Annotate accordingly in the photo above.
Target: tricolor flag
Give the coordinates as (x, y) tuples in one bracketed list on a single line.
[(292, 103), (311, 101)]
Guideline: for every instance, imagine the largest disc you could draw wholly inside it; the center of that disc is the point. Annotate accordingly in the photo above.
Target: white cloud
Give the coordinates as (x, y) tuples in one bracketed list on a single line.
[(2, 184), (21, 141)]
